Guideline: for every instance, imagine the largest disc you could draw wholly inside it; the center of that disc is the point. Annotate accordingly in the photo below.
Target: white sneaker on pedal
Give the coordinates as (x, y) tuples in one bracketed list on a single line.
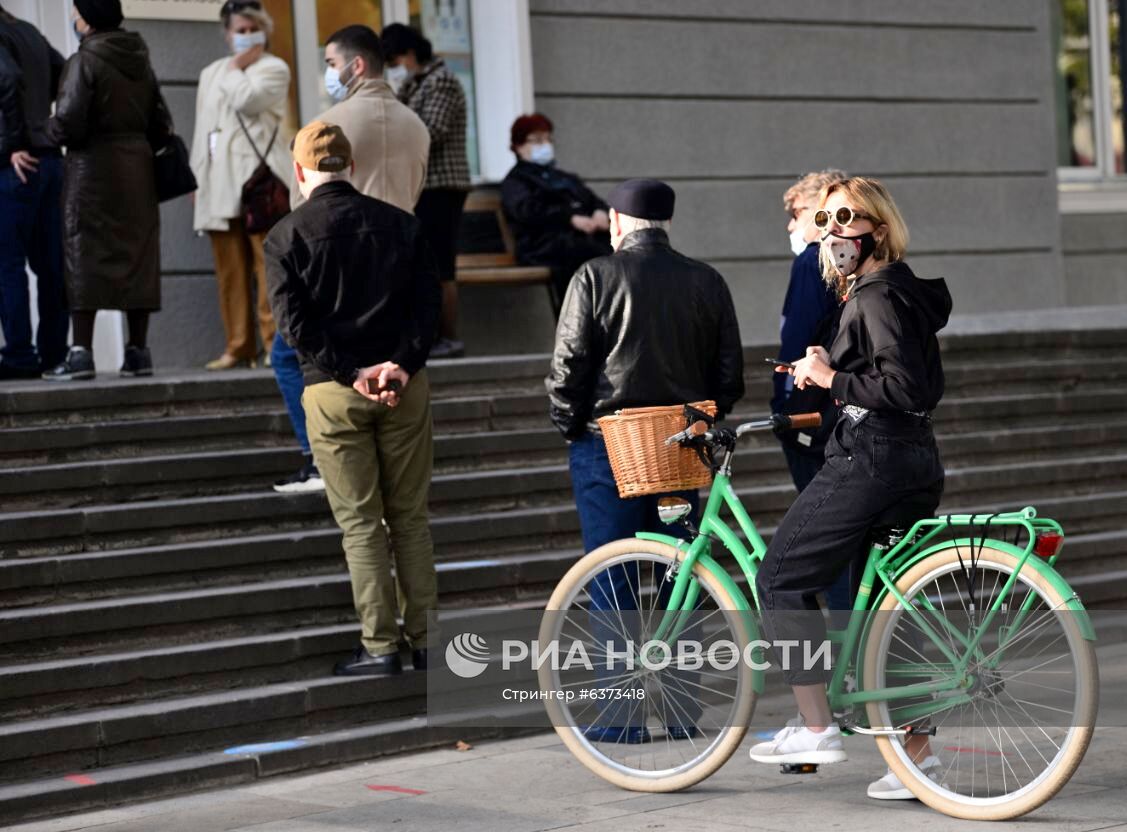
[(889, 787), (797, 744)]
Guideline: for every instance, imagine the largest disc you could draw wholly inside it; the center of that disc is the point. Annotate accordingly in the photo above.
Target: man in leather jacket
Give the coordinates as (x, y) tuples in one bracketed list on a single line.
[(644, 326)]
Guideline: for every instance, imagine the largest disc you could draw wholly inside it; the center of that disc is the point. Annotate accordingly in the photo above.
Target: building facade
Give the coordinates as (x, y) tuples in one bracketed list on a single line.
[(997, 126)]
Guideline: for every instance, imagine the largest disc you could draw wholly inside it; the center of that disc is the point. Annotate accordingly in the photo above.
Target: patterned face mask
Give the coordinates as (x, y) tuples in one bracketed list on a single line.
[(848, 253)]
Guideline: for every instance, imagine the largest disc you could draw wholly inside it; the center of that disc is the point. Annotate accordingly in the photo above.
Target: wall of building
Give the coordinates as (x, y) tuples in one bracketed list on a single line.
[(730, 101), (1095, 258)]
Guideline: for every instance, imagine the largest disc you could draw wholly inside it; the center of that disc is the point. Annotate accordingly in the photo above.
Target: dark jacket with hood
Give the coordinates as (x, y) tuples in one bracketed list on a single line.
[(29, 76), (642, 327), (110, 115), (886, 354)]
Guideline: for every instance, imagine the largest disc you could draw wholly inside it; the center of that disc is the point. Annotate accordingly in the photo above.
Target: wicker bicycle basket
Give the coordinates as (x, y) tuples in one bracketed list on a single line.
[(641, 461)]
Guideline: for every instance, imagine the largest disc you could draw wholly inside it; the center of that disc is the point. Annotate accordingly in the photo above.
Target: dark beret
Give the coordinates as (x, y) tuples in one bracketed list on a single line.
[(646, 199), (103, 15)]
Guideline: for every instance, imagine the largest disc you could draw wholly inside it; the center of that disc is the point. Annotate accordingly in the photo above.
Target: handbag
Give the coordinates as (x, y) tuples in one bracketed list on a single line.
[(172, 173), (171, 170), (265, 197)]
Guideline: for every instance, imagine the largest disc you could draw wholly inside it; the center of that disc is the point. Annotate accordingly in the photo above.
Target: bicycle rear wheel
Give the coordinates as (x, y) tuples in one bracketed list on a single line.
[(1026, 718), (688, 723)]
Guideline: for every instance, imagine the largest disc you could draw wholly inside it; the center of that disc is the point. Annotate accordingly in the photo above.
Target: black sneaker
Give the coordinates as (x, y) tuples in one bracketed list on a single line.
[(138, 362), (307, 478), (78, 365)]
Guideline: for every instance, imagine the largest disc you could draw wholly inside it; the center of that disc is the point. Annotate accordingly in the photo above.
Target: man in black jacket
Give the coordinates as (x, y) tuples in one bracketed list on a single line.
[(641, 327), (355, 291), (31, 182)]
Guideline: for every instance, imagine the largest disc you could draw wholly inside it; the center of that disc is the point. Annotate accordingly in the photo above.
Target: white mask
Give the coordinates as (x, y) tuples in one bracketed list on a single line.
[(396, 75), (798, 241), (241, 43), (542, 154), (337, 89)]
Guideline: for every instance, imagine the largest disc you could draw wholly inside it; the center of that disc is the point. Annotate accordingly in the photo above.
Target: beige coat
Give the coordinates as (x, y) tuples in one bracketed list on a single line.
[(390, 144), (259, 96)]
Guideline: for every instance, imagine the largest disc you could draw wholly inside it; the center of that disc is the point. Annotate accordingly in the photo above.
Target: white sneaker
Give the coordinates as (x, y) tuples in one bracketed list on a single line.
[(798, 744), (889, 787)]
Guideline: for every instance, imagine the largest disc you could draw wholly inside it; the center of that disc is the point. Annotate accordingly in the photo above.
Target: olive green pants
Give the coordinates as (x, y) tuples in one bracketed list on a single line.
[(376, 463)]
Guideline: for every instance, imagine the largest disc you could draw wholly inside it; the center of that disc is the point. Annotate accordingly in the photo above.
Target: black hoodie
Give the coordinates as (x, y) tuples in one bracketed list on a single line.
[(886, 354)]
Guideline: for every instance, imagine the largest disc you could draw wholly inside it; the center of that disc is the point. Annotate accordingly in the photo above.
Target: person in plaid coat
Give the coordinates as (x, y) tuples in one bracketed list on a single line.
[(428, 87)]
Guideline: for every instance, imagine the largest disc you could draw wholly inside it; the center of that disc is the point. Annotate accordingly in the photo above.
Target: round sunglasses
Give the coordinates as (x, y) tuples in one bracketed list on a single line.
[(843, 216)]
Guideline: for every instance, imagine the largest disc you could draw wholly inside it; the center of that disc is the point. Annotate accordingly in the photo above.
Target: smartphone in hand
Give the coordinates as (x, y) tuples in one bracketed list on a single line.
[(778, 362)]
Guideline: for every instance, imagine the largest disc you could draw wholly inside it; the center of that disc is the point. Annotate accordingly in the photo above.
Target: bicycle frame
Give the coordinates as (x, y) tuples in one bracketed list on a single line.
[(884, 565)]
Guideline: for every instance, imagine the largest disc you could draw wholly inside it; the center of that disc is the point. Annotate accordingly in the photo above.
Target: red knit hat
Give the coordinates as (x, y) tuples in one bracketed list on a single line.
[(525, 126)]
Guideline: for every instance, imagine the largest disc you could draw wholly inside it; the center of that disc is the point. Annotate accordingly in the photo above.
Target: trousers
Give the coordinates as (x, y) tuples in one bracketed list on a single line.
[(376, 462), (874, 467)]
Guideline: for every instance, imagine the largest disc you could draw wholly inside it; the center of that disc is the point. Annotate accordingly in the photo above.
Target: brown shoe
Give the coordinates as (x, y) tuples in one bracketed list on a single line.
[(228, 362)]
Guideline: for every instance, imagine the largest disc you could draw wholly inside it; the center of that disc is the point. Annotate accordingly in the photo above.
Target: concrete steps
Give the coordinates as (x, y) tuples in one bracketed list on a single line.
[(158, 603)]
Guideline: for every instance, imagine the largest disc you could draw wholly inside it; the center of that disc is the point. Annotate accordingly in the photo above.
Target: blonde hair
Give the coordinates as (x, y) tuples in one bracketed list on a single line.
[(809, 186), (260, 16), (870, 197)]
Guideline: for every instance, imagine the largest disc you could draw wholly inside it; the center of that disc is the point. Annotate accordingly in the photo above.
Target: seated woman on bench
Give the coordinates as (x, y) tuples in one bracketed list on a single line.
[(557, 221)]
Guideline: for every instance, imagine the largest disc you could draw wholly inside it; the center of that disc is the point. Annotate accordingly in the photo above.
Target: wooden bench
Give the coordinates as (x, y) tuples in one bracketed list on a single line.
[(484, 222)]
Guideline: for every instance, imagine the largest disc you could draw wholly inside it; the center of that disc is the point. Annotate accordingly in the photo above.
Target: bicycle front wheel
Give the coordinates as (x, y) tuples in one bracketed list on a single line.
[(646, 728), (1013, 736)]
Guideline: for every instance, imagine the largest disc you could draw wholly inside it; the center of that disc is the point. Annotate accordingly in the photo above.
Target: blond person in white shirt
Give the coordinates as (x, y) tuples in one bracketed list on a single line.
[(252, 86)]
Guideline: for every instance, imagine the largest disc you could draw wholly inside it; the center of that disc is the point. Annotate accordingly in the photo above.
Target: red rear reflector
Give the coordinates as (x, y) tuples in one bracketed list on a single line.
[(1048, 545)]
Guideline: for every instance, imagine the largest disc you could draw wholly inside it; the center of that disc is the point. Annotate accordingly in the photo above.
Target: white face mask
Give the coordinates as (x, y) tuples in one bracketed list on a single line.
[(337, 89), (396, 75), (241, 43), (798, 241), (542, 154)]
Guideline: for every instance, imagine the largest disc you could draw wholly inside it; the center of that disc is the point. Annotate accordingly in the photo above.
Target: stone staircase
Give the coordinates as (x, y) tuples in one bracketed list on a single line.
[(160, 605)]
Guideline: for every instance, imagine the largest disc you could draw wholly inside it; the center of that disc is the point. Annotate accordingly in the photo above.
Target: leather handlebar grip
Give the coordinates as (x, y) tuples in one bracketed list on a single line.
[(798, 421), (698, 428)]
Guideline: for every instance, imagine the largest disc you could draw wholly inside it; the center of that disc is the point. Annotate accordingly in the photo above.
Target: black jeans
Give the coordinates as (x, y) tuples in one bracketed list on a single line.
[(881, 464)]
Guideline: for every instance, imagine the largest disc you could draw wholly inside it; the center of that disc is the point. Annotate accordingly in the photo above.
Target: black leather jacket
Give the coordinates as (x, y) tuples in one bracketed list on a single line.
[(644, 326), (29, 78)]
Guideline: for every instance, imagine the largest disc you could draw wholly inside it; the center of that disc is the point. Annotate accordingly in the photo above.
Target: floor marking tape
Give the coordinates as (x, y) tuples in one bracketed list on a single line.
[(265, 747), (400, 789)]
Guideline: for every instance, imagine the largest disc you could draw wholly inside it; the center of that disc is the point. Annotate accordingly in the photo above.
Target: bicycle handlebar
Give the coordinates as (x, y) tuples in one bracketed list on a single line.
[(796, 421), (778, 421), (698, 428)]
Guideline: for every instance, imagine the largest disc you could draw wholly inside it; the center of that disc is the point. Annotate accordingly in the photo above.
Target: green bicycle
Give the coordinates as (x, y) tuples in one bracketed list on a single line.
[(962, 630)]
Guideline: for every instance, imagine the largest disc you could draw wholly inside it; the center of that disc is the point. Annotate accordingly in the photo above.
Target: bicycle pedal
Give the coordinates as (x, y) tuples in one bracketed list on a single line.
[(798, 768)]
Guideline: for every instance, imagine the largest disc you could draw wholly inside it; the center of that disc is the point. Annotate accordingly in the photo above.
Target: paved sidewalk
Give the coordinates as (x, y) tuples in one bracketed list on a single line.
[(532, 783)]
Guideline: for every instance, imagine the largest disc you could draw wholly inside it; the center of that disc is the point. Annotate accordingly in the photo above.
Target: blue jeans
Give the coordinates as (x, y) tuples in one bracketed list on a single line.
[(31, 233), (287, 372), (603, 518)]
